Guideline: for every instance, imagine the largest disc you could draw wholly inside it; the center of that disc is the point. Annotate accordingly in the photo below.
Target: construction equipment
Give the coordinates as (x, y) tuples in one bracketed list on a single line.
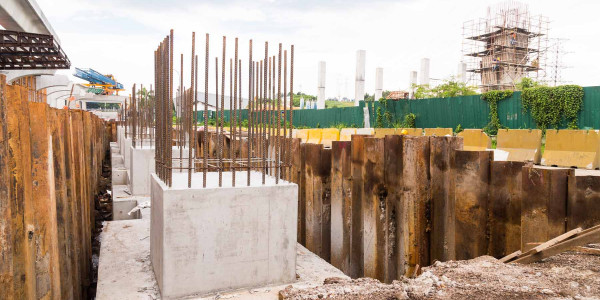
[(99, 84)]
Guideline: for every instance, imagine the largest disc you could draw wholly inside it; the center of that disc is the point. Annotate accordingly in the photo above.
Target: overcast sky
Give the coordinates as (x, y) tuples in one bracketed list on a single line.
[(119, 36)]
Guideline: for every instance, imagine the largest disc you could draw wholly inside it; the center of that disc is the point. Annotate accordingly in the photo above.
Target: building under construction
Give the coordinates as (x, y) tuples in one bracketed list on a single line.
[(504, 47)]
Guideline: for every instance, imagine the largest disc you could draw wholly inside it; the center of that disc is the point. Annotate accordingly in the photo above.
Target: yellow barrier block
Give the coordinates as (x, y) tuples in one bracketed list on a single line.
[(572, 148), (346, 134), (521, 144), (382, 132), (329, 135), (294, 133), (365, 131), (475, 140), (411, 131), (438, 131), (314, 136), (302, 134)]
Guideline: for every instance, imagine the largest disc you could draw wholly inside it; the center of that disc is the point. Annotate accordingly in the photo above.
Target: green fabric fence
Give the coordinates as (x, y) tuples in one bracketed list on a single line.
[(468, 111)]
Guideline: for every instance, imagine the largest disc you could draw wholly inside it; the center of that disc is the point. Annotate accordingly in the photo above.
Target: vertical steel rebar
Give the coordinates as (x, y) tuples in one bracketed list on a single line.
[(205, 131), (222, 115), (250, 121)]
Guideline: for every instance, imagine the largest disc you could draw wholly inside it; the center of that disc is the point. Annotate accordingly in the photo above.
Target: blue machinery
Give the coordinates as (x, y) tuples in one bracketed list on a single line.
[(99, 84)]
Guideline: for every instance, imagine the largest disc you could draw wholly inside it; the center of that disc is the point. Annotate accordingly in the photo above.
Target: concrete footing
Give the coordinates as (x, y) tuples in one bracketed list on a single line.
[(125, 271), (140, 167), (213, 239)]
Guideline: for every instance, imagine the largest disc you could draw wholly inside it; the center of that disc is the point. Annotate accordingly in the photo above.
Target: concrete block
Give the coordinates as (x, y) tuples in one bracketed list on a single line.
[(125, 272), (125, 151), (124, 202), (116, 160), (119, 176), (141, 166), (207, 240)]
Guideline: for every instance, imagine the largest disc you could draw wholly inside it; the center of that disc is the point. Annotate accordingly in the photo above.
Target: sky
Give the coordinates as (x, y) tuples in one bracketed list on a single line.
[(119, 36)]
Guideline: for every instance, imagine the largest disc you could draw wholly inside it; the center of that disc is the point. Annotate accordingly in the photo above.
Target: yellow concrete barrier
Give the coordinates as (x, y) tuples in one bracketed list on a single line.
[(329, 135), (475, 140), (382, 132), (346, 134), (302, 134), (438, 131), (294, 133), (314, 136), (572, 148), (411, 131), (365, 131), (521, 144)]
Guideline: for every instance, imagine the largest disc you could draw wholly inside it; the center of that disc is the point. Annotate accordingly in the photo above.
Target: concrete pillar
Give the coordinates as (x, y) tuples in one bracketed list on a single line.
[(461, 74), (301, 102), (424, 79), (412, 80), (378, 83), (359, 84), (321, 86)]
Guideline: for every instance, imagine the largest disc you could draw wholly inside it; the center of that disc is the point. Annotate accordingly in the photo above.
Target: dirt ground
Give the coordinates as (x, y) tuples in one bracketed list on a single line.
[(569, 275)]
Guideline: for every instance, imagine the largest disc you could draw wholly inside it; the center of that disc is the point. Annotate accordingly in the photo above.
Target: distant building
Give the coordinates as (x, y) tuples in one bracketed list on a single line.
[(397, 95)]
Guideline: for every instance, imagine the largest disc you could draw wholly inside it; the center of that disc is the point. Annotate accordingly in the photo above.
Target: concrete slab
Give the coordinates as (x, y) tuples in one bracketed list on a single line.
[(124, 270), (206, 240)]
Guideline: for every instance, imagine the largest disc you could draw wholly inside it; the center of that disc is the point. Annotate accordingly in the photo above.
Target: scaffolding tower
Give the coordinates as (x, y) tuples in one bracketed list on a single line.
[(506, 46)]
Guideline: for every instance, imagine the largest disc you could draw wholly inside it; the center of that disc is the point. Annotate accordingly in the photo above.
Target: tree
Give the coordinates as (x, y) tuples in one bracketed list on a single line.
[(526, 83), (369, 97), (449, 88)]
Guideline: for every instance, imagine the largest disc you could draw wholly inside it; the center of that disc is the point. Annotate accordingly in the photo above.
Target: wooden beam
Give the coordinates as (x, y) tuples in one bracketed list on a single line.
[(587, 237)]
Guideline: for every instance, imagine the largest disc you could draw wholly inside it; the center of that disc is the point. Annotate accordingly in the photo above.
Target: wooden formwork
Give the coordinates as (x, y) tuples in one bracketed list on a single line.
[(51, 162)]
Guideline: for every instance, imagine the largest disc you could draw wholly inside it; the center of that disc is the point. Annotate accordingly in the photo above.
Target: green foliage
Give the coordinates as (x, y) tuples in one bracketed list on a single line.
[(449, 88), (551, 105), (526, 83), (369, 97), (339, 126), (493, 97), (333, 103), (458, 129), (297, 96), (409, 121), (385, 94)]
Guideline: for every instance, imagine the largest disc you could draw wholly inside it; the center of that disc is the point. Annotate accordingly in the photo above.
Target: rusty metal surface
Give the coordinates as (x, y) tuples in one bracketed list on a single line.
[(261, 144)]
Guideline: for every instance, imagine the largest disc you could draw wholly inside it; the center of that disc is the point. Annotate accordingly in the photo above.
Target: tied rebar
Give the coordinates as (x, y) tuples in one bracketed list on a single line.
[(251, 135)]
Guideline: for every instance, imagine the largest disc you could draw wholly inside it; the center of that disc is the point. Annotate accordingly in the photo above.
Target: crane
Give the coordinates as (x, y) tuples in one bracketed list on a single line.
[(99, 84)]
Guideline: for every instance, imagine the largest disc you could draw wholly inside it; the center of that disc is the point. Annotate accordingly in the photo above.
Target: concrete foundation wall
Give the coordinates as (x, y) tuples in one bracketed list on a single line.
[(205, 240)]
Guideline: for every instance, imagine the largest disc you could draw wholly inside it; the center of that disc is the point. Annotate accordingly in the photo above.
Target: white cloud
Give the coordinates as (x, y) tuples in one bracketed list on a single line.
[(120, 36)]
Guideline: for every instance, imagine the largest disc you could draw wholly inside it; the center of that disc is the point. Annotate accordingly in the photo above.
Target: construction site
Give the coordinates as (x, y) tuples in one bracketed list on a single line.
[(210, 183)]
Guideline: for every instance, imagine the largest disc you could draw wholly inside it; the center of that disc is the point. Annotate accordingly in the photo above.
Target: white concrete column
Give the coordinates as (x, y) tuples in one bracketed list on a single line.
[(359, 84), (461, 74), (412, 80), (424, 79), (321, 86), (301, 102), (378, 83)]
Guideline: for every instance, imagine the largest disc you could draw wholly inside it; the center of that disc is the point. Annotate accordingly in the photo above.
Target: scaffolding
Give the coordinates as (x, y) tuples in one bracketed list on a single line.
[(506, 46)]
